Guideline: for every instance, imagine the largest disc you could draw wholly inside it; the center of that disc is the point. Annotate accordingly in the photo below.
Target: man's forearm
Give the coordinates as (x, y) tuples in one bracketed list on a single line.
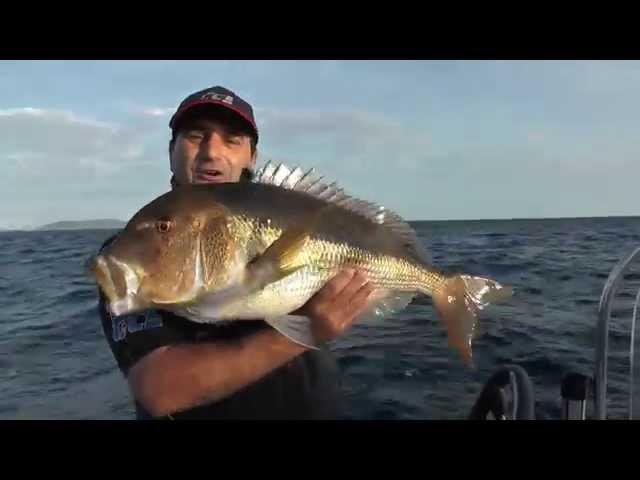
[(183, 376)]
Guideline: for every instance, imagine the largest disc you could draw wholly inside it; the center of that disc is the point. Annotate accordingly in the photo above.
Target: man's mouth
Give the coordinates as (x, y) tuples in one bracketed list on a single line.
[(209, 176)]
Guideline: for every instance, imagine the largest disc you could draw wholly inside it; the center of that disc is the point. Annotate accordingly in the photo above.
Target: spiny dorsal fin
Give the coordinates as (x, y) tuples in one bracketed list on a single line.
[(295, 179)]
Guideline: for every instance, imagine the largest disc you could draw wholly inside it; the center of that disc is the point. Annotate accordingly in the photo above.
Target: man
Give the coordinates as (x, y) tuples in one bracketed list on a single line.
[(180, 369)]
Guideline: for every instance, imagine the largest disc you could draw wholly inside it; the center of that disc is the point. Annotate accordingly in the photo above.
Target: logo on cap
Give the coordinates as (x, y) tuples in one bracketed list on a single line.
[(221, 96), (228, 99)]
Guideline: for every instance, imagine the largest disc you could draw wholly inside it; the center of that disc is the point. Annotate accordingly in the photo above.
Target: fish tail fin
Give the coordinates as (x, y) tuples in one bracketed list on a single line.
[(458, 301)]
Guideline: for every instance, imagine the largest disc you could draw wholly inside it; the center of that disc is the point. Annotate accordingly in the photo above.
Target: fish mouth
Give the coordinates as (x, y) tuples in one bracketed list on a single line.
[(119, 283)]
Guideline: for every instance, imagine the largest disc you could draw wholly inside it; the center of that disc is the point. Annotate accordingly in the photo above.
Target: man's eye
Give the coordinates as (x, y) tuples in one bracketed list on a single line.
[(235, 140), (195, 135)]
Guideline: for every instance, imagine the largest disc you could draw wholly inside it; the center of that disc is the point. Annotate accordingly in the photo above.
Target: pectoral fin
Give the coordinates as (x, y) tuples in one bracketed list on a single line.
[(282, 258)]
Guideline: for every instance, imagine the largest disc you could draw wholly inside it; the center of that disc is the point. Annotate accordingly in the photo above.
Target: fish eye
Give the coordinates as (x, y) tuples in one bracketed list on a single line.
[(163, 225)]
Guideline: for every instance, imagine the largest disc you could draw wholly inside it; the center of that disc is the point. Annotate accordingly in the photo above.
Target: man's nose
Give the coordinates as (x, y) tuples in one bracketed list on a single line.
[(211, 145)]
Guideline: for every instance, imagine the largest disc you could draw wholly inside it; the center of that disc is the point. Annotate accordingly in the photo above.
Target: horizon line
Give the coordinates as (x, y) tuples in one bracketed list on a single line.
[(503, 219)]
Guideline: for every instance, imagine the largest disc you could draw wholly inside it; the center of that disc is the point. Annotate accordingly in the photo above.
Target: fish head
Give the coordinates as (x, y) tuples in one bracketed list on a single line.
[(160, 259)]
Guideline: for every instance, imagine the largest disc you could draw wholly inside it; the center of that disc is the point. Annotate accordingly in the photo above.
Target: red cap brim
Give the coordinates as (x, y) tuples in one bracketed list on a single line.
[(180, 113)]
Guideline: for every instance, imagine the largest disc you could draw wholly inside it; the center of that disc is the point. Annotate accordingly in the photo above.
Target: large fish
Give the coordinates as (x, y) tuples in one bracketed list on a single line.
[(261, 249)]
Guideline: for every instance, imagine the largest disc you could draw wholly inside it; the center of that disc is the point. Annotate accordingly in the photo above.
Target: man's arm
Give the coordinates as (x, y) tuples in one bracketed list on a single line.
[(174, 378)]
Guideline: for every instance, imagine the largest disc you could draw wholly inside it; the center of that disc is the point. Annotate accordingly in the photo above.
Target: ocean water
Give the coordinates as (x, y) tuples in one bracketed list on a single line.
[(55, 362)]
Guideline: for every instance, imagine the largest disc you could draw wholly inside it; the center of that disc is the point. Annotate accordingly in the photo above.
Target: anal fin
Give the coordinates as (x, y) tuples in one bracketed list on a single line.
[(209, 307), (296, 328)]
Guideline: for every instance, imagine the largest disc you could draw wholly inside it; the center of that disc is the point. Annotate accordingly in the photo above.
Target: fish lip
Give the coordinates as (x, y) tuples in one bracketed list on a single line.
[(99, 267), (123, 306), (91, 265), (122, 290), (131, 279)]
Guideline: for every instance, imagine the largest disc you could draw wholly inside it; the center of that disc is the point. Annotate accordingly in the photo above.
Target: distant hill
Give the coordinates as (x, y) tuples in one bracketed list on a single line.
[(106, 223)]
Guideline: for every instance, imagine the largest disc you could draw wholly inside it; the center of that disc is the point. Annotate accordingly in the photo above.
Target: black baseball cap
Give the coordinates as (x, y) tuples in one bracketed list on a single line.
[(219, 96)]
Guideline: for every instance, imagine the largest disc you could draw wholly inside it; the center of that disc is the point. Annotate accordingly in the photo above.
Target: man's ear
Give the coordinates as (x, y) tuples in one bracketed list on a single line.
[(172, 145)]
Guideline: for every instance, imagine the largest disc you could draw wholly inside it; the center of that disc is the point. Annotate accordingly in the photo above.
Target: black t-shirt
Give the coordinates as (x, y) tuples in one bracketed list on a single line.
[(305, 388)]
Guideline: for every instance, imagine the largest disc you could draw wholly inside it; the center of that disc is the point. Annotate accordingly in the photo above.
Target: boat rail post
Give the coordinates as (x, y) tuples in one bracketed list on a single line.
[(602, 334), (576, 390)]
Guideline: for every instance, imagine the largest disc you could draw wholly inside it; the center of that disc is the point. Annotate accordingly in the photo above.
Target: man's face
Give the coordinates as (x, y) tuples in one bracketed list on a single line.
[(208, 150)]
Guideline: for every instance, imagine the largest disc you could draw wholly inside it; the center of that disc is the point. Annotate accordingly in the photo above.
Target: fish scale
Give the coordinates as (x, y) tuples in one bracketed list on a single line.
[(324, 259)]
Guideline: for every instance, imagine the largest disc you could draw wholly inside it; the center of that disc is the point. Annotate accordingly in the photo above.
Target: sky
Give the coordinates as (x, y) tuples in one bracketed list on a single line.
[(431, 140)]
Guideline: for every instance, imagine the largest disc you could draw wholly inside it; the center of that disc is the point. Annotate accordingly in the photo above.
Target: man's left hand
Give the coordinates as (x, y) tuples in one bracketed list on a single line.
[(334, 308)]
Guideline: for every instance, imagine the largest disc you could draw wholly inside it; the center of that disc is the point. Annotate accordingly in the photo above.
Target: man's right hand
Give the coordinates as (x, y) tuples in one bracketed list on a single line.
[(336, 305)]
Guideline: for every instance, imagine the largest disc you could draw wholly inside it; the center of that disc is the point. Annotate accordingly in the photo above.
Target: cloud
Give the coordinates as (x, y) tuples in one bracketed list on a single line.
[(87, 165), (371, 155), (341, 134), (54, 115), (157, 111), (61, 136), (348, 139), (401, 165), (51, 141), (57, 163), (535, 136), (312, 122)]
